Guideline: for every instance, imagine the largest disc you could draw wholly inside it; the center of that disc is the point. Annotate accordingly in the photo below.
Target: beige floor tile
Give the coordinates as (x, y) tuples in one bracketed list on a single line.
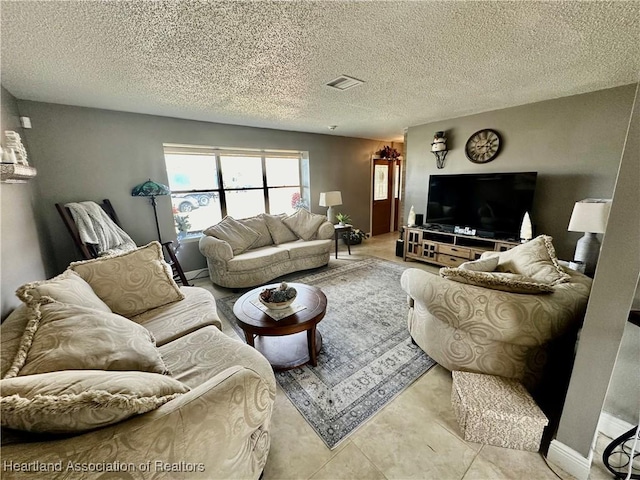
[(505, 463), (403, 441), (598, 470), (349, 464), (433, 392), (297, 452)]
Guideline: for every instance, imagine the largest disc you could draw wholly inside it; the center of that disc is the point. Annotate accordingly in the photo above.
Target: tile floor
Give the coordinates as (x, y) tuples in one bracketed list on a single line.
[(416, 436)]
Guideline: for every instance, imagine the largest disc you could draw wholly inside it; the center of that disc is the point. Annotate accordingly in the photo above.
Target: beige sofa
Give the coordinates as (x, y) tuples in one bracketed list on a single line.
[(473, 328), (250, 252), (217, 429)]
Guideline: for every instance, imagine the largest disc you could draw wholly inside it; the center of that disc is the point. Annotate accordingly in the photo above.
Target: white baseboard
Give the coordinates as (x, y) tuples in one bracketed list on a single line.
[(612, 426), (569, 460), (191, 274)]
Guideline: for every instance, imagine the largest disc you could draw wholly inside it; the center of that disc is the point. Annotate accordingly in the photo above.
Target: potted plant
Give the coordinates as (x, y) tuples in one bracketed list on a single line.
[(182, 224), (343, 219), (388, 152), (354, 237), (297, 202)]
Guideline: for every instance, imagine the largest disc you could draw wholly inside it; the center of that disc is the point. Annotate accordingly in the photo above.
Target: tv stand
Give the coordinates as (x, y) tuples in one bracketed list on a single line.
[(448, 249)]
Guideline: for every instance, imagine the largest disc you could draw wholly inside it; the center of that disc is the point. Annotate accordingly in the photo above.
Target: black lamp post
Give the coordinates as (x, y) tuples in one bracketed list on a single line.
[(152, 190)]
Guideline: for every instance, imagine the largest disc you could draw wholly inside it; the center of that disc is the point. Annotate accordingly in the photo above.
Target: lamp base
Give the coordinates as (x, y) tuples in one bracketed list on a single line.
[(587, 251), (331, 214)]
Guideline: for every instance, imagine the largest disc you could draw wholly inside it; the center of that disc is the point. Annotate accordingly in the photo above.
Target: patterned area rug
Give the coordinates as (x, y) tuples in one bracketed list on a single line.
[(367, 357)]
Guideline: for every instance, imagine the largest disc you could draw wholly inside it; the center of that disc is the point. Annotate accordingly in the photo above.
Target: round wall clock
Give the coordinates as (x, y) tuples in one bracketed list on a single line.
[(483, 146)]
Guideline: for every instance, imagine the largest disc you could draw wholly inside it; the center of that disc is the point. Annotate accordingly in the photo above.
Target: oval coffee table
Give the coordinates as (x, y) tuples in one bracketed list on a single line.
[(291, 341)]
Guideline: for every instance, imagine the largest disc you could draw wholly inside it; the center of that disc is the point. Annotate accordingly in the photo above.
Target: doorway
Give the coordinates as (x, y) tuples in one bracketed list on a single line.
[(385, 195)]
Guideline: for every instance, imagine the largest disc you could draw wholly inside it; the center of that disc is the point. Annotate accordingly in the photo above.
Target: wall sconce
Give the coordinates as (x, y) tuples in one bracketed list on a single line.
[(439, 148)]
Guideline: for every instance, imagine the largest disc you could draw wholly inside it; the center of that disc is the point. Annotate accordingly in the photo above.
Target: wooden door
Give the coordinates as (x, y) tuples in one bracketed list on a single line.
[(397, 175), (382, 196)]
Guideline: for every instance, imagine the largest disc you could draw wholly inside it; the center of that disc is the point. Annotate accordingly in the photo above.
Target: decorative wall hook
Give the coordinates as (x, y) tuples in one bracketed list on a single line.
[(439, 148)]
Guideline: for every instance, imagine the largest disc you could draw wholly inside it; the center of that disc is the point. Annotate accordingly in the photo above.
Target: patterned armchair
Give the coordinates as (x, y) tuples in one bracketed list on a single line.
[(477, 329)]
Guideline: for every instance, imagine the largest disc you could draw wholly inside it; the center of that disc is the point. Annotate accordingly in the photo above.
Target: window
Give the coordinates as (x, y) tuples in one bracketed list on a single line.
[(209, 183)]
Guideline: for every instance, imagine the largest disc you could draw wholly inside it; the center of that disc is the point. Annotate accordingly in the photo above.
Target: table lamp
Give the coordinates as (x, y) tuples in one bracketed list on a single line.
[(330, 199), (589, 216), (152, 190)]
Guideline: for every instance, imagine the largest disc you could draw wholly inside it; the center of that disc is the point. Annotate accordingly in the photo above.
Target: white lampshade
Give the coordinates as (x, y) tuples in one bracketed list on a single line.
[(330, 199), (590, 215)]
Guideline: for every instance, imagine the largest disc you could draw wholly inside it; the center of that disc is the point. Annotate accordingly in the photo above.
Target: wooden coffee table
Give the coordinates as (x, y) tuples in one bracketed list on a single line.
[(286, 343)]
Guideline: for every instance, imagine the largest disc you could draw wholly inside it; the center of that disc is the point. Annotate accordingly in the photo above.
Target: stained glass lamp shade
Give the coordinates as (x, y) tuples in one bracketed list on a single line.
[(152, 190)]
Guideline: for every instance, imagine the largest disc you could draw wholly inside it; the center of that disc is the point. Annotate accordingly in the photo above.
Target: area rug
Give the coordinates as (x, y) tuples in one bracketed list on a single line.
[(367, 357)]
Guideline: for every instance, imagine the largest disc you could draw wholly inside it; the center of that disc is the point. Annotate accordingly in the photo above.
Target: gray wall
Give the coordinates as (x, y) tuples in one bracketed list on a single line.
[(86, 153), (574, 144), (612, 293), (623, 394), (20, 253)]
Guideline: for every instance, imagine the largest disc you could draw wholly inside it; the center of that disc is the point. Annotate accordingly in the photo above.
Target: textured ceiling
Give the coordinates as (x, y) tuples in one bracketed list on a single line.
[(265, 63)]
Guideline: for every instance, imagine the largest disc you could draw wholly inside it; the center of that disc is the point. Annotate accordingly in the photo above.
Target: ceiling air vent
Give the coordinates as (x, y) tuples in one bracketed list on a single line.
[(343, 83)]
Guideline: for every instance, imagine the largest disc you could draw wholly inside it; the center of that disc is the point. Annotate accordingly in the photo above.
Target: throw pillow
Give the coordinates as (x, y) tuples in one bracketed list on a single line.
[(79, 400), (506, 282), (536, 259), (239, 236), (481, 265), (67, 287), (258, 224), (304, 223), (278, 230), (60, 336), (133, 282)]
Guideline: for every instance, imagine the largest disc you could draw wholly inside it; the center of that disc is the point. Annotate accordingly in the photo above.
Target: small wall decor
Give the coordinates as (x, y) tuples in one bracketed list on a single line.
[(16, 153), (439, 148), (483, 146)]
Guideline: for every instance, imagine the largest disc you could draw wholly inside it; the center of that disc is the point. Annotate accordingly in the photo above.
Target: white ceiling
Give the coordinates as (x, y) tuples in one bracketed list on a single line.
[(265, 63)]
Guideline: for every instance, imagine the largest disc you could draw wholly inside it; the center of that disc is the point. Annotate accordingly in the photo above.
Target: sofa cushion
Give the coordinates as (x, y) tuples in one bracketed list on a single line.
[(257, 258), (203, 354), (536, 259), (80, 400), (302, 248), (133, 282), (280, 233), (304, 223), (68, 287), (488, 264), (60, 336), (168, 322), (506, 282), (239, 236), (258, 224), (11, 333)]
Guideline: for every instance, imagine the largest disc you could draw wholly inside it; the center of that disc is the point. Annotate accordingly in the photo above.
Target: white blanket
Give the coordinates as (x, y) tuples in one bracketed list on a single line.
[(96, 227)]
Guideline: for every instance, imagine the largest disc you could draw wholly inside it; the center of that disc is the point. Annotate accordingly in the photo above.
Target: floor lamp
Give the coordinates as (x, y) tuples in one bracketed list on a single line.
[(152, 190)]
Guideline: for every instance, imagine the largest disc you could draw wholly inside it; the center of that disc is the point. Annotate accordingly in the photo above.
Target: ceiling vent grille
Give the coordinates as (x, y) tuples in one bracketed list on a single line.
[(343, 83)]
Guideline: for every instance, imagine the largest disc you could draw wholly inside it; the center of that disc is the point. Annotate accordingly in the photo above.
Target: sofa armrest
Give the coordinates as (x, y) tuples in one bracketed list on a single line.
[(515, 318), (326, 231), (220, 429), (215, 249)]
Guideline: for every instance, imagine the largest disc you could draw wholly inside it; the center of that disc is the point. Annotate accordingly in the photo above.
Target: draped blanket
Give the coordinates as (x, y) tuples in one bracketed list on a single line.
[(96, 227)]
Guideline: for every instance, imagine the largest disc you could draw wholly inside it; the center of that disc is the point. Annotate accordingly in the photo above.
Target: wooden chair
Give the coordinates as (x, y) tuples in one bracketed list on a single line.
[(90, 251)]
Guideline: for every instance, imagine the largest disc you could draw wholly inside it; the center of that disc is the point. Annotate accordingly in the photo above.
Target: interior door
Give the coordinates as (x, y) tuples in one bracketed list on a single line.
[(397, 168), (382, 196)]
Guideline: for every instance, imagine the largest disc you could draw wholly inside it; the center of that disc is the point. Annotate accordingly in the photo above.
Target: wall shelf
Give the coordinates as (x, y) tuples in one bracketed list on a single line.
[(16, 173)]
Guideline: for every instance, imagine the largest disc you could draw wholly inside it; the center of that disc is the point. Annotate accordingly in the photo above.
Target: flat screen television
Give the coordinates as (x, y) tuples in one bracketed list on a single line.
[(493, 204)]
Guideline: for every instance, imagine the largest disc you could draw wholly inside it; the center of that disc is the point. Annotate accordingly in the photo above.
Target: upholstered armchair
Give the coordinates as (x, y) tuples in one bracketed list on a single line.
[(473, 328)]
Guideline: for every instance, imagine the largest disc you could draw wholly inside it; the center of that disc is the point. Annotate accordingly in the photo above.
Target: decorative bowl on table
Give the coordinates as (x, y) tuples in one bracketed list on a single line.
[(278, 298)]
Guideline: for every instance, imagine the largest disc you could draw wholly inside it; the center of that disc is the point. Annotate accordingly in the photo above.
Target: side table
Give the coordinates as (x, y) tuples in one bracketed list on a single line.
[(339, 229)]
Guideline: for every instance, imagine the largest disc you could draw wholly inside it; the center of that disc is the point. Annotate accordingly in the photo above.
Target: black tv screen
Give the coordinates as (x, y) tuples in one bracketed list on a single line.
[(493, 204)]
